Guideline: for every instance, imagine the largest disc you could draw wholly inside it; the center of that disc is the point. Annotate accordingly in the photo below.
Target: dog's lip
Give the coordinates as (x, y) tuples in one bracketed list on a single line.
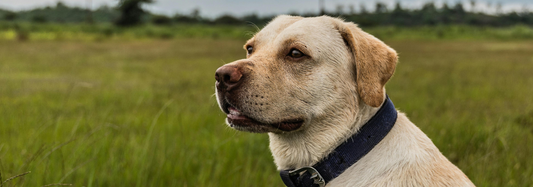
[(289, 125), (235, 117), (235, 114)]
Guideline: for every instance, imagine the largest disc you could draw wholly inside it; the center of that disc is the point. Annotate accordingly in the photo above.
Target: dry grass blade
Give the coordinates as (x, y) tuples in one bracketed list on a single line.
[(14, 177), (76, 168)]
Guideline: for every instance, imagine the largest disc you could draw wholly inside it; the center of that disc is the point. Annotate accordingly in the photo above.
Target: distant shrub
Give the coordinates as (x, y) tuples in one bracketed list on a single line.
[(10, 16), (107, 32), (22, 34), (228, 20), (184, 19), (255, 19), (165, 35), (161, 20), (39, 19), (131, 12)]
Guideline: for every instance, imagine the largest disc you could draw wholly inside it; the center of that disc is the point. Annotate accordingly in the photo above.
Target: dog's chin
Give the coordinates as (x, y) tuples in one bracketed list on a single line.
[(242, 122)]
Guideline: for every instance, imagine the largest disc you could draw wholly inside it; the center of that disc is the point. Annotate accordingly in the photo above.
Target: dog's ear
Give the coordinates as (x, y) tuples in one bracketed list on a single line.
[(374, 62)]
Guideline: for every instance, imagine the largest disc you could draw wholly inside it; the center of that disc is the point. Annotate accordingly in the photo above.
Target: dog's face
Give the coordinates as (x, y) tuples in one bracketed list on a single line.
[(301, 70)]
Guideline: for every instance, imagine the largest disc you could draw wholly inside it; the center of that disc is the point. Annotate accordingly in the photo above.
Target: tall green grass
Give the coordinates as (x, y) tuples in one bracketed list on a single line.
[(142, 112), (134, 113)]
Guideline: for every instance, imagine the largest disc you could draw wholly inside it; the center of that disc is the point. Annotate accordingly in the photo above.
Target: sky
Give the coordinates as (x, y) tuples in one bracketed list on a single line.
[(214, 8)]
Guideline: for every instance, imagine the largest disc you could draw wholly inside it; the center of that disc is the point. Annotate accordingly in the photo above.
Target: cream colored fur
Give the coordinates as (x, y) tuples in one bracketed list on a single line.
[(336, 91)]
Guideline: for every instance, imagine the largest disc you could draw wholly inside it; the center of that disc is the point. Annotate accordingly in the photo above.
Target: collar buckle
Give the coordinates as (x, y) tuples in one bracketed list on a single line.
[(315, 175)]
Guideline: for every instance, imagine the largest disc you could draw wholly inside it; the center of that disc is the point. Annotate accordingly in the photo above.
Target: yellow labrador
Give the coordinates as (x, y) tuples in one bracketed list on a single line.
[(312, 84)]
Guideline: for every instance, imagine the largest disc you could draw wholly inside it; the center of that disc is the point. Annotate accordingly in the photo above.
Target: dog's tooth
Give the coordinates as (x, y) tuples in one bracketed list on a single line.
[(234, 111)]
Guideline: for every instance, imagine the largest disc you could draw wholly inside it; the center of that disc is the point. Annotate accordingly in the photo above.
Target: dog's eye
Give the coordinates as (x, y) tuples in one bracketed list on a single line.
[(295, 53), (249, 49)]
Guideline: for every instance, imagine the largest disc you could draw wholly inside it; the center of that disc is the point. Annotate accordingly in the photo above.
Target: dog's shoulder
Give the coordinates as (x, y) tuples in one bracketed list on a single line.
[(406, 157)]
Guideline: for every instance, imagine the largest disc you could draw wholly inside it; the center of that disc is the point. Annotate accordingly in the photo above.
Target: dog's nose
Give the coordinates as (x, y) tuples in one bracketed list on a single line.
[(229, 76)]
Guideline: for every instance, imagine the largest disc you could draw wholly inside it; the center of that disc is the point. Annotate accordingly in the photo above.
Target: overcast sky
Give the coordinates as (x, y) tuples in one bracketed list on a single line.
[(213, 8)]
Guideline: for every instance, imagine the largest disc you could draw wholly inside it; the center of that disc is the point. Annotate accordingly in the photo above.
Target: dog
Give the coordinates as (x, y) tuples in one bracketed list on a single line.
[(313, 84)]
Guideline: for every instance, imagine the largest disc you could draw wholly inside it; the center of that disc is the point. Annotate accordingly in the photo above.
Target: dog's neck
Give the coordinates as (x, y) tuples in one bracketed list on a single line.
[(310, 145)]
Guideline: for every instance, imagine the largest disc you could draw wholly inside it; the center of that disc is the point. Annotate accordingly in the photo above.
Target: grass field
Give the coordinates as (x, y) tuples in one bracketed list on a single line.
[(142, 112)]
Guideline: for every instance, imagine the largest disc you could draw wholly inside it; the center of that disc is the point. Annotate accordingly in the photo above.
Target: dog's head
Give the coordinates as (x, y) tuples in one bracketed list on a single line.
[(299, 71)]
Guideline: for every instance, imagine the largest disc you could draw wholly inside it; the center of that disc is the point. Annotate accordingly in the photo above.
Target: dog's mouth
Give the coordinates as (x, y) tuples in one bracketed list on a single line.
[(239, 121)]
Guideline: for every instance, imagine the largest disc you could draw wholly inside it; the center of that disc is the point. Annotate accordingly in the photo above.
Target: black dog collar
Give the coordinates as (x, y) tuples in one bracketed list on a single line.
[(347, 154)]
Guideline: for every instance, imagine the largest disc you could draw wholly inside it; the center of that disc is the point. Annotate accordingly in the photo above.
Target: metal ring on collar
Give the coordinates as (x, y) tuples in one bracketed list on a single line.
[(317, 178)]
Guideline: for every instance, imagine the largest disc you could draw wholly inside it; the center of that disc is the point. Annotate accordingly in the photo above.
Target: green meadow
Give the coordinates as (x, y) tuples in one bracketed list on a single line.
[(107, 107)]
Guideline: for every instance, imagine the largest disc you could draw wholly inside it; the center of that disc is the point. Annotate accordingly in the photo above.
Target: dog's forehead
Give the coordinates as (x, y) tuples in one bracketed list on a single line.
[(285, 27)]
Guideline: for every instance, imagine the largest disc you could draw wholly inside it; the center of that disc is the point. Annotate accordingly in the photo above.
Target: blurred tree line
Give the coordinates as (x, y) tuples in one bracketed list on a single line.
[(130, 12)]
